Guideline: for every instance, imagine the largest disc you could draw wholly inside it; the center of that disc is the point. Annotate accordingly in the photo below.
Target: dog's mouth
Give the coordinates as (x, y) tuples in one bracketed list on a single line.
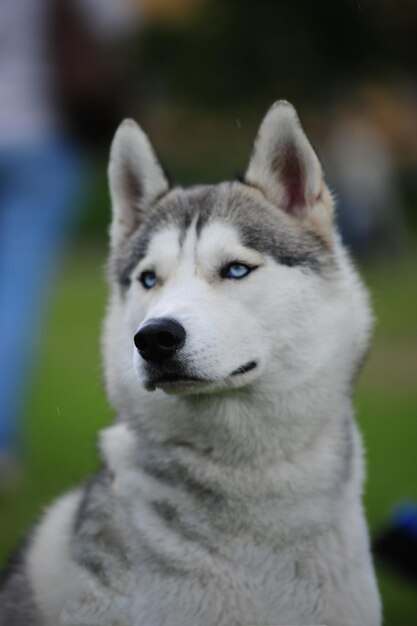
[(243, 369), (180, 379), (171, 380), (166, 380)]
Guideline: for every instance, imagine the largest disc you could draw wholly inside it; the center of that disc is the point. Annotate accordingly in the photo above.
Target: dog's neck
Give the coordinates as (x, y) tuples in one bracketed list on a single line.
[(245, 426), (219, 451)]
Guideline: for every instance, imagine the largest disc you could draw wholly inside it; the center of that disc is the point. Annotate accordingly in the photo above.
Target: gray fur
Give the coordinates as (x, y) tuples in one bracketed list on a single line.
[(17, 605), (262, 227), (97, 546), (174, 473)]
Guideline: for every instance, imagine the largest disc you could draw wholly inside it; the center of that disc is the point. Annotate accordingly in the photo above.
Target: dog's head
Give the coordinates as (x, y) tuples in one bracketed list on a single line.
[(223, 286)]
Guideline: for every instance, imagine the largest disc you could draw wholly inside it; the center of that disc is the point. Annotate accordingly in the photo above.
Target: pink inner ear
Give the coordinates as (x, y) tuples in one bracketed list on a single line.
[(132, 186), (288, 166)]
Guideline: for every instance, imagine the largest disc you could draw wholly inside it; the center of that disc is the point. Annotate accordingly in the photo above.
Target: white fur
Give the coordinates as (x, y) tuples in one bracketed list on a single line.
[(53, 575)]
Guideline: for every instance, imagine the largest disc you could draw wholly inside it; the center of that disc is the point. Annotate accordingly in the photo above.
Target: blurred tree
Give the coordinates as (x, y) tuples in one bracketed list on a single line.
[(242, 51)]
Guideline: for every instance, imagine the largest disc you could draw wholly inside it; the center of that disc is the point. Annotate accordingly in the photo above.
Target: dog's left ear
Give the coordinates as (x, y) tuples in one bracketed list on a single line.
[(285, 168), (136, 179)]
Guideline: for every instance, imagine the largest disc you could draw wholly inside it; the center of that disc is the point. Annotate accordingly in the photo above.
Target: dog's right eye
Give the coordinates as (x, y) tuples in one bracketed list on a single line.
[(148, 279), (236, 270)]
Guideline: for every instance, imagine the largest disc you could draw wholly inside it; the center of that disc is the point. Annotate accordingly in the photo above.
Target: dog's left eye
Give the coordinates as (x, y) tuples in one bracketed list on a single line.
[(148, 279), (236, 270)]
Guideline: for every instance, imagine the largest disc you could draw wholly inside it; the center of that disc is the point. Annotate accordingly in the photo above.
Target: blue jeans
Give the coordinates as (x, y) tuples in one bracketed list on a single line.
[(38, 187)]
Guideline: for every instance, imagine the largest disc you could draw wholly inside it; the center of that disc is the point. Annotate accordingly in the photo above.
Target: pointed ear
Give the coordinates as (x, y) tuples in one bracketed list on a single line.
[(285, 168), (136, 179)]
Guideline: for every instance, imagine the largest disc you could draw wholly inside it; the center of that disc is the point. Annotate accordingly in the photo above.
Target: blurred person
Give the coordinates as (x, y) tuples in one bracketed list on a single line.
[(41, 168), (362, 172)]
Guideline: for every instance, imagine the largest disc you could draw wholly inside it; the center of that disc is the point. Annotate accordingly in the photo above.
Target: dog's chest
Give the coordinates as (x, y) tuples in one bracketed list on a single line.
[(173, 557), (183, 574), (253, 588)]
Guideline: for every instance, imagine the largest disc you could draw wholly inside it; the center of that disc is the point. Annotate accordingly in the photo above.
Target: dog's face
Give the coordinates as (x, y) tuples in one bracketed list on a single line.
[(216, 287)]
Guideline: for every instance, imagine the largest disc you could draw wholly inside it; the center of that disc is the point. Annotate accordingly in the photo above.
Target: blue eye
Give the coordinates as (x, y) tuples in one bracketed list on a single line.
[(236, 271), (148, 279)]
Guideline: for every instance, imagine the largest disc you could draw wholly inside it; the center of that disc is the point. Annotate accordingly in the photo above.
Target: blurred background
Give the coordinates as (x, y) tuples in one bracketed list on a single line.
[(198, 75)]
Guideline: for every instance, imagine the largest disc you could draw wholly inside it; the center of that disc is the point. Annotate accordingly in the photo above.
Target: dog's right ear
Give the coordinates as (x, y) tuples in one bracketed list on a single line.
[(136, 179), (285, 168)]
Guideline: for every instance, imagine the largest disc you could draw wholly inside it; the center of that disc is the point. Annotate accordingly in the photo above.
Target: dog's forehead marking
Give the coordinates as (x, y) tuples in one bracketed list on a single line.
[(258, 225), (220, 241), (218, 234), (171, 246), (164, 250), (189, 241), (216, 241)]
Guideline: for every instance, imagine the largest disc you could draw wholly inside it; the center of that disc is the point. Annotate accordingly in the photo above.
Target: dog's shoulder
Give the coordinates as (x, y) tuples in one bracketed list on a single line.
[(45, 570), (30, 582), (17, 605)]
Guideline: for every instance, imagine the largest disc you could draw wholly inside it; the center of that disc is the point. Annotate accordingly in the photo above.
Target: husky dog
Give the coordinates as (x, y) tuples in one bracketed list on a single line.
[(230, 491)]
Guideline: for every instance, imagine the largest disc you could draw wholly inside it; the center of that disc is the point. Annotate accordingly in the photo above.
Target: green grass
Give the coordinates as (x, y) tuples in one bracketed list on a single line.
[(67, 405)]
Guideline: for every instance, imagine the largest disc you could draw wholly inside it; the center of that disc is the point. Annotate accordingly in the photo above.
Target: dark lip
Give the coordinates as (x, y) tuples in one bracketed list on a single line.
[(244, 368), (174, 378), (171, 378), (168, 380)]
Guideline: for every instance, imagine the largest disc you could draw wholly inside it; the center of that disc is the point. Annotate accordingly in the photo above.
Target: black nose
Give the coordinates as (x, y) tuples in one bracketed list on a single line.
[(159, 339)]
